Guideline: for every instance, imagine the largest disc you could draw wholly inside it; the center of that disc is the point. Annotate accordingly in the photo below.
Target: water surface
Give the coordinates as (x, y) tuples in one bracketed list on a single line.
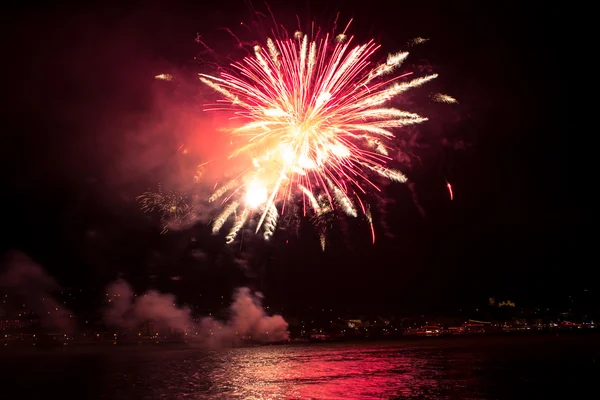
[(433, 368)]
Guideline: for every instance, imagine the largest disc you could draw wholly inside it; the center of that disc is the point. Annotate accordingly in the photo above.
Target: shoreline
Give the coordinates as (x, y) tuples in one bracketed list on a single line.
[(465, 339)]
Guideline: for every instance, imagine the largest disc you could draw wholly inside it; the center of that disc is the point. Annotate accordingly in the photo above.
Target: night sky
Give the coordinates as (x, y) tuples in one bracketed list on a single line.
[(87, 129)]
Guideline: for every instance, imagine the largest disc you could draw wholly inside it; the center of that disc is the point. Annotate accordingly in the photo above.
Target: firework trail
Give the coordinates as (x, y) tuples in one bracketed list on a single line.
[(443, 98), (450, 190), (316, 128), (164, 77)]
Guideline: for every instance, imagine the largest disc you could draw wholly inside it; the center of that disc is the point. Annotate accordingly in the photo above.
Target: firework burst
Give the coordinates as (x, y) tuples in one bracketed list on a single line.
[(316, 129)]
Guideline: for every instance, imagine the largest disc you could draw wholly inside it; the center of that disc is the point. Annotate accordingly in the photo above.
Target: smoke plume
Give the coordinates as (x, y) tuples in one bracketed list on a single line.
[(27, 282), (247, 318)]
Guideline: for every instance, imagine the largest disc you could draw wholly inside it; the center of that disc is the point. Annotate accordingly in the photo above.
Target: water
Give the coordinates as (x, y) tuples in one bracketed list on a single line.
[(433, 368)]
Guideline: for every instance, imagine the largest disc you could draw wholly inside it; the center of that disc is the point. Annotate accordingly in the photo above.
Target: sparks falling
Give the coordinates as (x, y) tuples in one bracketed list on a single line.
[(316, 128)]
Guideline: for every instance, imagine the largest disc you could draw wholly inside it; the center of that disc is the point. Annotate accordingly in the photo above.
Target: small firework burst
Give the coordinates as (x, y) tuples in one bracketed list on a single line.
[(170, 206), (417, 40)]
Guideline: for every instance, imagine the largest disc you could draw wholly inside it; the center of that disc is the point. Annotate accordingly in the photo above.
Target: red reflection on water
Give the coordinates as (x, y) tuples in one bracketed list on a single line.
[(338, 373)]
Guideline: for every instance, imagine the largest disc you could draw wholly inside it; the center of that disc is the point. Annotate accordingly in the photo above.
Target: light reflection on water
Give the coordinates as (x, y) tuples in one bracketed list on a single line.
[(437, 369), (325, 373)]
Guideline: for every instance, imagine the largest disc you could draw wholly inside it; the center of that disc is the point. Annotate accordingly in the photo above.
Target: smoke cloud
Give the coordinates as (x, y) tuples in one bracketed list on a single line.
[(128, 311), (247, 317), (28, 282)]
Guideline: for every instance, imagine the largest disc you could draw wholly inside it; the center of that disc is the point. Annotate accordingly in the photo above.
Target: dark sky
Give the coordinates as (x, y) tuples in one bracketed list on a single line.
[(87, 130)]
